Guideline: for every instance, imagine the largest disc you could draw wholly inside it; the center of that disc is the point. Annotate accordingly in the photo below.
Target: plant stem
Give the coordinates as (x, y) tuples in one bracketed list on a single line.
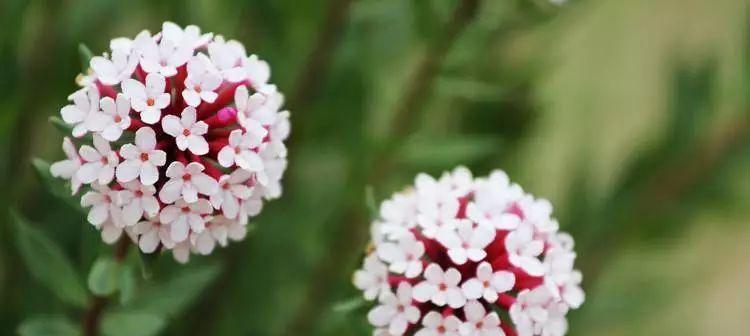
[(352, 232), (93, 314)]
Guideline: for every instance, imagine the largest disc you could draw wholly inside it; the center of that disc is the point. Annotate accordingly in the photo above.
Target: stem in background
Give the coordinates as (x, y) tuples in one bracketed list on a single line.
[(351, 231), (93, 314), (666, 186), (321, 56)]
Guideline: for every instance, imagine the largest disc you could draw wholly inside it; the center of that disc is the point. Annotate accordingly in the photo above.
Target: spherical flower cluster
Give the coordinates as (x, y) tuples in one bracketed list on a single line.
[(177, 137), (449, 254)]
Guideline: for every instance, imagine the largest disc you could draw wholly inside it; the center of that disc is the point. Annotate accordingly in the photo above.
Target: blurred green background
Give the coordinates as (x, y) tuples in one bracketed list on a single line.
[(633, 117)]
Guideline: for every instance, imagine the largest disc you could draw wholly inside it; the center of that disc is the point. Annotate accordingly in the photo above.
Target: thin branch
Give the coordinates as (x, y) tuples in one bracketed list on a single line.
[(352, 230), (321, 56), (92, 316)]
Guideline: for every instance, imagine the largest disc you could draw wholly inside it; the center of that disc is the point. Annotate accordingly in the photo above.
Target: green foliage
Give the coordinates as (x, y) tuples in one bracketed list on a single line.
[(48, 326), (55, 186), (105, 276), (132, 324), (47, 263)]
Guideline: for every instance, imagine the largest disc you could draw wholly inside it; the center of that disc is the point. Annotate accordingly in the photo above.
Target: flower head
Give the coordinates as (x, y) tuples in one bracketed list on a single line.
[(186, 140), (467, 248)]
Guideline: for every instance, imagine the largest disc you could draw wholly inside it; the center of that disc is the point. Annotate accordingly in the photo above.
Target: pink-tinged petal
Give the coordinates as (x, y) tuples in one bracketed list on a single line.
[(155, 83), (133, 89), (474, 311), (476, 254), (472, 289), (138, 104), (128, 170), (458, 255), (188, 117), (111, 233), (107, 105), (194, 168), (171, 125), (197, 145), (130, 152), (145, 138), (79, 130), (106, 173), (150, 205), (157, 158), (179, 229), (132, 212), (241, 191), (398, 326), (170, 192), (226, 157), (89, 172), (169, 214), (149, 173), (432, 320), (503, 281), (149, 241), (175, 169), (191, 97), (65, 169), (102, 145), (434, 274), (150, 116), (209, 96), (72, 114), (197, 224), (381, 316), (424, 291), (89, 154), (490, 295), (90, 198), (484, 271), (235, 75), (249, 160), (204, 244), (112, 132), (235, 138), (199, 128), (205, 184), (452, 277), (202, 207), (98, 214), (162, 101), (231, 207), (390, 252)]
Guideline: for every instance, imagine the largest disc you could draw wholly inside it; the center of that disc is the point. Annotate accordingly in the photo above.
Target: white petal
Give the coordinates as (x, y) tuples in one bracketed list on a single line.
[(171, 125), (128, 170)]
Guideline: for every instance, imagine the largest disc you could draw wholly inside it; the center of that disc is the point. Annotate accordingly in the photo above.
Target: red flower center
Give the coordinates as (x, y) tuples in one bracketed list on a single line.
[(150, 102), (144, 156)]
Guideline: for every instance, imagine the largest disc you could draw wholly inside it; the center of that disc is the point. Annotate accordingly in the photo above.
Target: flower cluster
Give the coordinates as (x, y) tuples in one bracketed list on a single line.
[(449, 254), (178, 139)]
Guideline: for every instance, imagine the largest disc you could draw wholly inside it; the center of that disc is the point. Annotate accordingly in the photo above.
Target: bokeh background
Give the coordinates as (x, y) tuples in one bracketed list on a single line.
[(633, 117)]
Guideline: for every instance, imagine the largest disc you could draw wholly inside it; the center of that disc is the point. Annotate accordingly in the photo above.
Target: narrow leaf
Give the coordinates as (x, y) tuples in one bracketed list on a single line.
[(47, 326), (127, 284), (85, 54), (104, 277), (169, 298), (349, 305), (132, 324), (47, 263)]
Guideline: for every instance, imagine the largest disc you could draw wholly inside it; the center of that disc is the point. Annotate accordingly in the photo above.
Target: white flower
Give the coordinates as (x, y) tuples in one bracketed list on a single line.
[(84, 113), (102, 201), (201, 82), (258, 72), (561, 279), (487, 284), (187, 131), (466, 241), (249, 208), (479, 323), (119, 68), (68, 168), (395, 311), (218, 230), (151, 233), (137, 200), (141, 159), (190, 37), (110, 232), (436, 215), (535, 312), (440, 287), (187, 182), (118, 116), (232, 189), (99, 164), (523, 250), (227, 57), (163, 58), (404, 257), (437, 325), (240, 151), (372, 279), (183, 217), (149, 99)]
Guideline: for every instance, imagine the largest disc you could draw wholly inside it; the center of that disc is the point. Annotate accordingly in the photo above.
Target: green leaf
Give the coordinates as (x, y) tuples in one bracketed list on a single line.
[(131, 324), (85, 54), (127, 284), (371, 203), (60, 125), (147, 261), (448, 151), (104, 277), (350, 305), (48, 326), (169, 298), (47, 263), (56, 187)]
